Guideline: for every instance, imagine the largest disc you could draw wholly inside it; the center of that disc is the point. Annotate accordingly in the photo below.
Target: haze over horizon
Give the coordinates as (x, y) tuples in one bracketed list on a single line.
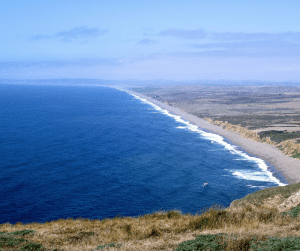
[(168, 40)]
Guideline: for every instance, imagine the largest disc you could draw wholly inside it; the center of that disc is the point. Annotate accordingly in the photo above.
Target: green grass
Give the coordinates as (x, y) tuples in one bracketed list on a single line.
[(294, 212), (113, 244), (279, 136), (296, 155), (291, 243), (203, 242), (13, 241), (223, 241), (217, 242), (32, 246), (23, 232), (9, 241)]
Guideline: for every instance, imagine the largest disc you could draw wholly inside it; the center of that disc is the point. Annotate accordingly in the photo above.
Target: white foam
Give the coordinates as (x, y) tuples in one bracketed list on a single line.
[(263, 175), (250, 175), (181, 127), (256, 186)]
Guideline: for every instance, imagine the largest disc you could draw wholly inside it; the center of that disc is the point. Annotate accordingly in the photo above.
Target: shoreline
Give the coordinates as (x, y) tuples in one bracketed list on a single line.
[(286, 166)]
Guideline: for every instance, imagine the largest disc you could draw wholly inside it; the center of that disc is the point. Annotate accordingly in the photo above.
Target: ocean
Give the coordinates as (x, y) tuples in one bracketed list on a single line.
[(98, 152)]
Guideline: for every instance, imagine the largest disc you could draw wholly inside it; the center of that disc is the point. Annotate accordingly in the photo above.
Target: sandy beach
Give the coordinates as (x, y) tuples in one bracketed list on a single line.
[(287, 166)]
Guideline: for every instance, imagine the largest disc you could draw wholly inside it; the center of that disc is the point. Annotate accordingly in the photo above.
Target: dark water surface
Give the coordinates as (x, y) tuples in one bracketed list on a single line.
[(96, 152)]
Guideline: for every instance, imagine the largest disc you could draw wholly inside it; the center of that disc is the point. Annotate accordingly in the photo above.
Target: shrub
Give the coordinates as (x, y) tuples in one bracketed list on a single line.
[(294, 211), (212, 219), (274, 243), (154, 233), (12, 240), (32, 247), (23, 232), (80, 236), (203, 242), (173, 214), (266, 216), (223, 241), (8, 241), (127, 228), (235, 244), (113, 244)]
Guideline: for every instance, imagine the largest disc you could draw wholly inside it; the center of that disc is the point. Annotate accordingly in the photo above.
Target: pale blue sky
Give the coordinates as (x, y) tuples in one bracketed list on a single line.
[(166, 39)]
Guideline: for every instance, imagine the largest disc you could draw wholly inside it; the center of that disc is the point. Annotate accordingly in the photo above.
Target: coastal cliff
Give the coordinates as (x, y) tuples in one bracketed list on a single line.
[(289, 147), (244, 132)]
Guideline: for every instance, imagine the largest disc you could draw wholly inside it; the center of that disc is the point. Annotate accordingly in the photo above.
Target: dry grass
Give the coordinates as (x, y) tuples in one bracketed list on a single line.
[(248, 217), (84, 234), (244, 132), (288, 147), (158, 231)]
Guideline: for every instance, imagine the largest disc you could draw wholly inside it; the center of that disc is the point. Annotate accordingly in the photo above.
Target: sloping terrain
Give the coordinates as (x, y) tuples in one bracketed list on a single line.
[(265, 220)]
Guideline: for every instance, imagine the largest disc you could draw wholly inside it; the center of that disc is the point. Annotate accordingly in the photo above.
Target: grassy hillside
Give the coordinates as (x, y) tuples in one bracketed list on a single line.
[(251, 223)]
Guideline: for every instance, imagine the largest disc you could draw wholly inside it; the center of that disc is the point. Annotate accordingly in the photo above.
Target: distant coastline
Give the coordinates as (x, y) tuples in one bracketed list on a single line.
[(287, 166)]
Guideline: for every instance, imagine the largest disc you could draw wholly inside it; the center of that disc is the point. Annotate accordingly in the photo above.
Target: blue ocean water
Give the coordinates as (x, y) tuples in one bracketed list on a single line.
[(97, 152)]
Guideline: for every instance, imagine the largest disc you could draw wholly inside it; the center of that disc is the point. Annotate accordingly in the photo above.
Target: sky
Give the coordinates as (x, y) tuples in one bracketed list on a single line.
[(150, 40)]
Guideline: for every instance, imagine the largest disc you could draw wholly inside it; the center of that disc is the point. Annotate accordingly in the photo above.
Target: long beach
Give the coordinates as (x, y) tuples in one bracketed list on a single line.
[(287, 166)]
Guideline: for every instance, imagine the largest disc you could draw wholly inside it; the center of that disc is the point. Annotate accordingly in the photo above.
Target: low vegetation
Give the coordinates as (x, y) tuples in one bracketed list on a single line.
[(285, 141), (244, 132), (251, 223), (290, 148), (17, 241), (258, 121), (234, 242), (279, 136)]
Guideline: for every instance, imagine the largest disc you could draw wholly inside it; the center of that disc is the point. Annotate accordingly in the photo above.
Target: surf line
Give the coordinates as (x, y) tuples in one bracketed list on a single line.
[(264, 175)]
